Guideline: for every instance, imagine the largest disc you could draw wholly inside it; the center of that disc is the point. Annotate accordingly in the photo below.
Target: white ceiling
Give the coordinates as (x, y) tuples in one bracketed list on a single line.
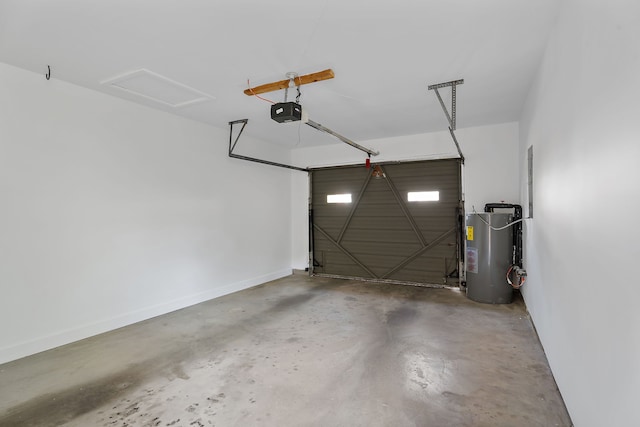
[(384, 55)]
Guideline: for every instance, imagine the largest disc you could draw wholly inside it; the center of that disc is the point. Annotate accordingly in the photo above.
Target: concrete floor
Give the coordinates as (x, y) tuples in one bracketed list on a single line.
[(298, 351)]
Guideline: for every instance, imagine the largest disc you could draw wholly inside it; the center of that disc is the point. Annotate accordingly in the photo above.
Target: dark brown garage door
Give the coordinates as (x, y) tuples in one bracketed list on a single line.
[(393, 222)]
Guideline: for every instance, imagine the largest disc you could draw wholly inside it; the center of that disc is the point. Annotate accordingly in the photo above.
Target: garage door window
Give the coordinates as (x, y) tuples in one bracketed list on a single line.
[(339, 198), (423, 196)]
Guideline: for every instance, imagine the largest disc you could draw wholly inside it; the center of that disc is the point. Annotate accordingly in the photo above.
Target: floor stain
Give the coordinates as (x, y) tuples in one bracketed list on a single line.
[(400, 316), (178, 371), (58, 408), (287, 303)]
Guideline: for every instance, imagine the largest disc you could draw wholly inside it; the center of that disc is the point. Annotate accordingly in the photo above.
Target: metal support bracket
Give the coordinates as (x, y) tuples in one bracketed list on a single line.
[(451, 117), (233, 143), (318, 126), (455, 141)]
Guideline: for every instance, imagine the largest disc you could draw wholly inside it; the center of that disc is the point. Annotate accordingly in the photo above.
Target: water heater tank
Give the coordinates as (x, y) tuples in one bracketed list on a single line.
[(489, 255)]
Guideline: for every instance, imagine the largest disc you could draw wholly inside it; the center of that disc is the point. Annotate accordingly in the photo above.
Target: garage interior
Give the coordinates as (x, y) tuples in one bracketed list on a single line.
[(159, 267)]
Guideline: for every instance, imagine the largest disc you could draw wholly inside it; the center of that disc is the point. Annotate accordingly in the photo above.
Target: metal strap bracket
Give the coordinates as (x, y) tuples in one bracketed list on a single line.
[(233, 143)]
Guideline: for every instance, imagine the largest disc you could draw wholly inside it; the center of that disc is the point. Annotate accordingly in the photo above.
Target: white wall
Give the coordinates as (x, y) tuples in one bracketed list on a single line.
[(582, 244), (490, 172), (113, 213)]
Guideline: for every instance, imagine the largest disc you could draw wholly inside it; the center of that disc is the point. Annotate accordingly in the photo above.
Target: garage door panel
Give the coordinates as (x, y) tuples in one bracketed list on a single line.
[(436, 169), (432, 265), (378, 212), (379, 202), (440, 217), (381, 261), (333, 233), (362, 249), (438, 220), (439, 251), (448, 189), (345, 269), (332, 210), (331, 222), (429, 228), (434, 277), (387, 249), (333, 226), (441, 208), (402, 235), (382, 235), (367, 223)]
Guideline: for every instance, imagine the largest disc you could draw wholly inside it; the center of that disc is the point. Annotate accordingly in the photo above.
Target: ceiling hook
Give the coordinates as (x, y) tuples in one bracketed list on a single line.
[(48, 75)]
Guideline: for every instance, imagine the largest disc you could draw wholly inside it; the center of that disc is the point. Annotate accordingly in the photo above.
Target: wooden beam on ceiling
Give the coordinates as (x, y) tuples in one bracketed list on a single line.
[(283, 84)]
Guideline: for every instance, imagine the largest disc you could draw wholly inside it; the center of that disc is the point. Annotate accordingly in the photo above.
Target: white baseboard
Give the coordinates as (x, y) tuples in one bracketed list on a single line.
[(33, 346)]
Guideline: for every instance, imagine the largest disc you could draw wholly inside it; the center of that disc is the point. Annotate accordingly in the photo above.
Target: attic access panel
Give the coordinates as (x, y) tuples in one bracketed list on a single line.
[(367, 228)]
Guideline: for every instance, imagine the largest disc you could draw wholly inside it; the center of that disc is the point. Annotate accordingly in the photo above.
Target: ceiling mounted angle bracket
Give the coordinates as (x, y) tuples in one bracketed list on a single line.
[(451, 118)]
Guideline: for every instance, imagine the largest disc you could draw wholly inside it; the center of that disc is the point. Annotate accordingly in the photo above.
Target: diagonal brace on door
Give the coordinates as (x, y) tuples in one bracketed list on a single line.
[(354, 208), (345, 251), (451, 118), (419, 252), (405, 210)]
